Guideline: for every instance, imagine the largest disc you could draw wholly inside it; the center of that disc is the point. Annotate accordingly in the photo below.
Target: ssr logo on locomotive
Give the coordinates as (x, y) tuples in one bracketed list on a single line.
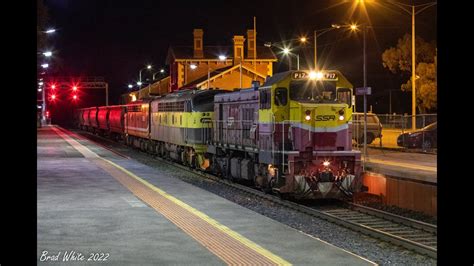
[(325, 117)]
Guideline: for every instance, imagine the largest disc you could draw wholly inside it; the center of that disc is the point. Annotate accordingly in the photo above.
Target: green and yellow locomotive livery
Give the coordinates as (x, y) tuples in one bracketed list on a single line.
[(181, 124)]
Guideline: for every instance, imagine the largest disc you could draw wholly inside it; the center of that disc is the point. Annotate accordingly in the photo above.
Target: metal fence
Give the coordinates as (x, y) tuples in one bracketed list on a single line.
[(404, 122), (394, 133)]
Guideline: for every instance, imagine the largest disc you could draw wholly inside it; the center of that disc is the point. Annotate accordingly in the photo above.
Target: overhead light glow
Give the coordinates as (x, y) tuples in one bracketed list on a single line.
[(45, 65), (48, 53), (50, 31), (222, 57), (193, 66), (130, 86)]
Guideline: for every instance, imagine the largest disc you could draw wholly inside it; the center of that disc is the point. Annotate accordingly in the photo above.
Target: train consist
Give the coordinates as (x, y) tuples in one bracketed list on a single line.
[(291, 135)]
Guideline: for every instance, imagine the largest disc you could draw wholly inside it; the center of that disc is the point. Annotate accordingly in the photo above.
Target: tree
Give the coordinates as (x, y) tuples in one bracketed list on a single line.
[(398, 59)]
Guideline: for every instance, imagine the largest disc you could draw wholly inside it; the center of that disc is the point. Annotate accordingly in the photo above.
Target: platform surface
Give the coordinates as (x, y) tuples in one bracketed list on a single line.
[(406, 165), (100, 205)]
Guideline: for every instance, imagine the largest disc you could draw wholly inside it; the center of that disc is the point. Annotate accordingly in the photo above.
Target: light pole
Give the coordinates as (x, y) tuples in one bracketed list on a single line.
[(140, 74), (410, 9), (333, 26)]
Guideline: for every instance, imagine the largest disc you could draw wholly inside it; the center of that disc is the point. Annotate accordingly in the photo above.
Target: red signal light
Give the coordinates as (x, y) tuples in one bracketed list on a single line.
[(53, 87), (74, 97), (74, 88), (47, 113), (53, 97)]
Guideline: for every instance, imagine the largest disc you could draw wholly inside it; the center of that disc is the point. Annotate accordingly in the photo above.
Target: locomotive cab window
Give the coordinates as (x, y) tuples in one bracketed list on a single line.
[(313, 91), (281, 96), (344, 96), (265, 98)]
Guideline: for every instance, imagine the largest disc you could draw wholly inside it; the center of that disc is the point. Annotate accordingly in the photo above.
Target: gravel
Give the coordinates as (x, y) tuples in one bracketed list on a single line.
[(378, 251)]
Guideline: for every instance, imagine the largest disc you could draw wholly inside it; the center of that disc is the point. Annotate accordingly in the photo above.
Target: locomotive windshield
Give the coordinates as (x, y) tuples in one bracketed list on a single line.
[(313, 91)]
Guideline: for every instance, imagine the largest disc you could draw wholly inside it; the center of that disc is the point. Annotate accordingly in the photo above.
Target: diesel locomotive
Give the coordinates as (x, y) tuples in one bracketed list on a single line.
[(291, 135)]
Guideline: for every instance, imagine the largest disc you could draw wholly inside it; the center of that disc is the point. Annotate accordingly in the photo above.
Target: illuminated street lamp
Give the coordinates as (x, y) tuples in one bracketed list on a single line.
[(45, 65), (48, 53), (410, 9), (139, 83), (322, 31), (287, 52), (130, 86), (49, 31), (140, 73)]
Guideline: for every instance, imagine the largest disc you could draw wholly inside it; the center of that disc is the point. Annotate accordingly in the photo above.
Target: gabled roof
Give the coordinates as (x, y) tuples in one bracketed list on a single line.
[(217, 73), (213, 52)]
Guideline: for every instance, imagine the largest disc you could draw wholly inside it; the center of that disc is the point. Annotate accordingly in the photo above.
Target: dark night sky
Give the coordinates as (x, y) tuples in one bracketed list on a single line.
[(116, 38)]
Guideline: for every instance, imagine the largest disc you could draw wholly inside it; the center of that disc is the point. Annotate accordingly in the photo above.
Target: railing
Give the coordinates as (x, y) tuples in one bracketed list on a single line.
[(393, 127)]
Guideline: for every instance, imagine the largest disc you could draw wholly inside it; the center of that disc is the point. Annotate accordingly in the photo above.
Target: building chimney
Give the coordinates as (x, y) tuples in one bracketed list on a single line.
[(238, 49), (198, 47), (251, 44)]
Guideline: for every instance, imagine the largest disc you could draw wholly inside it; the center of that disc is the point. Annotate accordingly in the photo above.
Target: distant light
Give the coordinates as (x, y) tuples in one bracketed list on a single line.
[(130, 86), (45, 65), (336, 26), (326, 163), (303, 39), (162, 70), (74, 97), (53, 96), (74, 88), (40, 83), (40, 90), (39, 106), (222, 57), (139, 83), (48, 53), (193, 66), (286, 51), (53, 86), (149, 66), (268, 44), (354, 26), (50, 31), (134, 97)]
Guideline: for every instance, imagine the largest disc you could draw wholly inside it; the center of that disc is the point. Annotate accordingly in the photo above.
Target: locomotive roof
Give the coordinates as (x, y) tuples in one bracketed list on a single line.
[(283, 75), (240, 95)]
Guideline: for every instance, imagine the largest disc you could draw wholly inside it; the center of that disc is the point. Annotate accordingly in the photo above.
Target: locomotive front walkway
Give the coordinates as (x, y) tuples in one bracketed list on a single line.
[(96, 205)]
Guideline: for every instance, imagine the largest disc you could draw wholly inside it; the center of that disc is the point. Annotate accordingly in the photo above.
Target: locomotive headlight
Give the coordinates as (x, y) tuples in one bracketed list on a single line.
[(341, 117), (308, 115)]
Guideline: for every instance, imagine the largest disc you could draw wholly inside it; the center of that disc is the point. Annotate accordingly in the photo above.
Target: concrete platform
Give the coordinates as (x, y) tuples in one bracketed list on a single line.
[(408, 166), (92, 201)]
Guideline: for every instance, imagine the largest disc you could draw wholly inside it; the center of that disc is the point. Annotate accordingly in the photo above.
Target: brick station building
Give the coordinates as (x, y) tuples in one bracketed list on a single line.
[(200, 66)]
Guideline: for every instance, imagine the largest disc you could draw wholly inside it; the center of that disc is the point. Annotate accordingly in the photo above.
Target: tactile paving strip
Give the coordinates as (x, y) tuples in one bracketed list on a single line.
[(231, 247)]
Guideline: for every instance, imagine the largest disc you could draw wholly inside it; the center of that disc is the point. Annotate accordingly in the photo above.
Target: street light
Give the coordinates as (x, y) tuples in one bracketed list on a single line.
[(412, 12), (130, 86), (48, 53), (140, 73), (45, 65), (139, 83), (333, 26), (49, 31), (287, 52)]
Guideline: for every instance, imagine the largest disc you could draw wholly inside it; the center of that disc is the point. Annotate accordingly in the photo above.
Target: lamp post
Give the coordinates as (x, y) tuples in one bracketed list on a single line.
[(333, 26), (140, 74), (411, 10)]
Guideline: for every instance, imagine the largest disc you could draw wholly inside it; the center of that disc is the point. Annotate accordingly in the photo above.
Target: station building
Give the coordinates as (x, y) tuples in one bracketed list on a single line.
[(203, 67)]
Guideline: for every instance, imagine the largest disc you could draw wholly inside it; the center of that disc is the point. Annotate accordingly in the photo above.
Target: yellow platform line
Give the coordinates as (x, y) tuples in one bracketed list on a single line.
[(215, 224)]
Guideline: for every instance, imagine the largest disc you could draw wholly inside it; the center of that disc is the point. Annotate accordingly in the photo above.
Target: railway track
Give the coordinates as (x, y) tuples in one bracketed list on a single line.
[(411, 234)]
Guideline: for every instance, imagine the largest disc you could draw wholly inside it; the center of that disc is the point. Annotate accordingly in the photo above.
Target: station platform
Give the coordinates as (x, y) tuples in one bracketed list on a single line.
[(95, 204), (409, 166)]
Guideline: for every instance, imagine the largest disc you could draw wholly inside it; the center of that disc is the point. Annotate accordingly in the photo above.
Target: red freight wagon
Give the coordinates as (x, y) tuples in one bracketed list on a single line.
[(116, 119), (102, 116)]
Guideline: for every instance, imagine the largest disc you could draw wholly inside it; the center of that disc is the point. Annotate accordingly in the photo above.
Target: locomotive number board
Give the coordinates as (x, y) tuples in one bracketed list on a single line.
[(305, 75)]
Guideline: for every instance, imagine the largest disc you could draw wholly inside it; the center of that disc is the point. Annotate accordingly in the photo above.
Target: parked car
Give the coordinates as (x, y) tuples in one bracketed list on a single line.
[(374, 127), (425, 138)]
